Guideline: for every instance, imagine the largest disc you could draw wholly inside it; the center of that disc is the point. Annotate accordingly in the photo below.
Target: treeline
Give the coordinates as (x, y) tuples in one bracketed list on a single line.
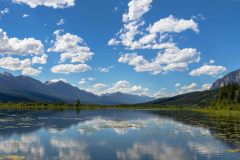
[(230, 93), (229, 98), (59, 106), (225, 98), (201, 99)]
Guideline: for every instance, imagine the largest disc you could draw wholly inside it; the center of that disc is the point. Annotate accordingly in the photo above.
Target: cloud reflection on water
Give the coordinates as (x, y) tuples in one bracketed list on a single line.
[(155, 150), (120, 136), (71, 149), (28, 145)]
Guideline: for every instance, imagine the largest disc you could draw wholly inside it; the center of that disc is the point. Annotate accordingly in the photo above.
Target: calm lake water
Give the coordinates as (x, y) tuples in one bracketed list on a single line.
[(110, 135)]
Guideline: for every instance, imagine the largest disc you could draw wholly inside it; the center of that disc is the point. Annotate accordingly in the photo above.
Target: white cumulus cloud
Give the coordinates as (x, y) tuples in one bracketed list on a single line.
[(193, 87), (137, 8), (15, 64), (70, 68), (206, 69), (181, 89), (172, 24), (173, 59), (31, 71), (15, 46), (71, 47), (157, 36), (40, 60), (134, 34), (120, 86), (47, 3)]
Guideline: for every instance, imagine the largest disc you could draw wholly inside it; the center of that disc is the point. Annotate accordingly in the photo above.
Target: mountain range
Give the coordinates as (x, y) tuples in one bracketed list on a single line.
[(25, 89)]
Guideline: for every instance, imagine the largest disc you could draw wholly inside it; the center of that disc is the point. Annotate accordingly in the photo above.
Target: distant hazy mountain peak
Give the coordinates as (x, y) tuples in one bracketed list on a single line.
[(233, 77), (7, 74), (116, 94), (125, 98)]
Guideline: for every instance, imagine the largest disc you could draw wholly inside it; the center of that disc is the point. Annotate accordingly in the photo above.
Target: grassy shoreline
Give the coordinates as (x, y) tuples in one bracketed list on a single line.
[(62, 107)]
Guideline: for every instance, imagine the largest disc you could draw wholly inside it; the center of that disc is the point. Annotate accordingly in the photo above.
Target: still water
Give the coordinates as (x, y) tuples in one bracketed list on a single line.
[(107, 135)]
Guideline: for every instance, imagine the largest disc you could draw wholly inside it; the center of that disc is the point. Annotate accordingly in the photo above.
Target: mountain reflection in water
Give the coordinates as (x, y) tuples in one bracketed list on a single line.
[(106, 134)]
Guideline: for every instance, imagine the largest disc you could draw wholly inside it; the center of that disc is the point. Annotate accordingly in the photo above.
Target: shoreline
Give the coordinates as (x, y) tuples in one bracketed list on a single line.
[(60, 107)]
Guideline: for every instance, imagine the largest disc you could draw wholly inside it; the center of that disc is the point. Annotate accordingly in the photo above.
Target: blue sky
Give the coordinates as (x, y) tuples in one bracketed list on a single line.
[(146, 47)]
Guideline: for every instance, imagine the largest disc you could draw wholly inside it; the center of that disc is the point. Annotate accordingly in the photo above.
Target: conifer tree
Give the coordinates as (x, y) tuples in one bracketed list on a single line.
[(78, 102)]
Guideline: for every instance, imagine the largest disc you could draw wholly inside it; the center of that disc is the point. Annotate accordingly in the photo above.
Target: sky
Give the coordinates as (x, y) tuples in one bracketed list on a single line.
[(157, 48)]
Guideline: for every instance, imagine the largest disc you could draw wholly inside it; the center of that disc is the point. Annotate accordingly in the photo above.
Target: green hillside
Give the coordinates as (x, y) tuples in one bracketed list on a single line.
[(202, 99)]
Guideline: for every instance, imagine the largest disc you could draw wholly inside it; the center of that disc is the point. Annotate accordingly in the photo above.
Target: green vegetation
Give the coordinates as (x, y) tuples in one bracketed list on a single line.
[(11, 157), (194, 99), (47, 106), (233, 150), (228, 98)]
